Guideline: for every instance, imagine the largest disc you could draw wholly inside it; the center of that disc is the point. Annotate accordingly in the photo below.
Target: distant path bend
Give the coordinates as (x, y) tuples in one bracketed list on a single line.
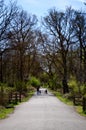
[(43, 112)]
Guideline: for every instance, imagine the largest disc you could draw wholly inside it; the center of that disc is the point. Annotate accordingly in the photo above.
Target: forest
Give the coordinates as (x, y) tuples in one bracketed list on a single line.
[(52, 54)]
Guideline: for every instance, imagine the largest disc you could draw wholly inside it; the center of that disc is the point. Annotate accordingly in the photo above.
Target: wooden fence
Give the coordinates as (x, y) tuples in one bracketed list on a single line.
[(14, 97)]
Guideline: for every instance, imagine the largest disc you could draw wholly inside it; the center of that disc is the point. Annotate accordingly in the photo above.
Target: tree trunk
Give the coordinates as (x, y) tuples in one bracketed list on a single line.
[(80, 71), (21, 66), (1, 73), (65, 86), (64, 82), (84, 65)]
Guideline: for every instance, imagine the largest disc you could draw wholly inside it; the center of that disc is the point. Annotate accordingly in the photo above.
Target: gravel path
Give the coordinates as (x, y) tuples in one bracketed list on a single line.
[(43, 112)]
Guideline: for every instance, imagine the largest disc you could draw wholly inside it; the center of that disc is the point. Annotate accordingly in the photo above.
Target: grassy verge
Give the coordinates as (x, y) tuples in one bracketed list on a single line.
[(80, 111), (63, 99), (4, 112), (68, 102), (30, 94)]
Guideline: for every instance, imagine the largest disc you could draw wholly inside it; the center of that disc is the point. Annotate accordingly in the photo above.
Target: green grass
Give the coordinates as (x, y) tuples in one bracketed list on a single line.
[(63, 99), (68, 102), (4, 112), (30, 94), (80, 111)]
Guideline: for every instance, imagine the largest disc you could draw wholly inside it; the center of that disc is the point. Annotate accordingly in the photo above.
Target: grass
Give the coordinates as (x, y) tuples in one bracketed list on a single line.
[(4, 112), (68, 102), (80, 111), (63, 99), (30, 94)]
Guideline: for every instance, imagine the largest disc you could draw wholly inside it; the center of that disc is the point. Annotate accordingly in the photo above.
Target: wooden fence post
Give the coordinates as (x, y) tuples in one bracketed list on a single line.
[(10, 97), (16, 99), (74, 102), (84, 104), (19, 96)]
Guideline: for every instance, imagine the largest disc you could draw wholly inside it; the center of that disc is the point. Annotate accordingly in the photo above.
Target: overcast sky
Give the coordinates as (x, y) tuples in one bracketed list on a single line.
[(41, 7)]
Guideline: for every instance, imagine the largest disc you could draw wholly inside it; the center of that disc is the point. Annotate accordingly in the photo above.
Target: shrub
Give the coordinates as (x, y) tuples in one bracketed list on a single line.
[(20, 86), (74, 86), (4, 93), (83, 89), (34, 82), (54, 84)]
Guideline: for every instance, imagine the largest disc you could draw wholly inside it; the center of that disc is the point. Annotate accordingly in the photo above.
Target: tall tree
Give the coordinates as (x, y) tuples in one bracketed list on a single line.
[(80, 30), (21, 37), (7, 13), (59, 26)]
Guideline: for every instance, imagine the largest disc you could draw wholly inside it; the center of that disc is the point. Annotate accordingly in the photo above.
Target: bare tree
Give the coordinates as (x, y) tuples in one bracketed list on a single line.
[(59, 26), (22, 37), (7, 13), (80, 31)]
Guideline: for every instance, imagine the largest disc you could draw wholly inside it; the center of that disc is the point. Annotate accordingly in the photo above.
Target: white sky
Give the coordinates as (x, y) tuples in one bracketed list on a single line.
[(41, 7)]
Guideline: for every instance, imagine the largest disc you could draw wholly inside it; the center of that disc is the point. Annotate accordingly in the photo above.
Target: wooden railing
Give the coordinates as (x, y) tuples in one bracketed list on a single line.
[(15, 97)]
